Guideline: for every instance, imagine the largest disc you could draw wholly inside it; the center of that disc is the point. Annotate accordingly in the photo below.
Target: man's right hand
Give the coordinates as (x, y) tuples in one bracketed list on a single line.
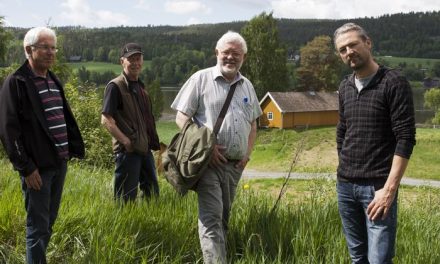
[(33, 180), (217, 159), (128, 146)]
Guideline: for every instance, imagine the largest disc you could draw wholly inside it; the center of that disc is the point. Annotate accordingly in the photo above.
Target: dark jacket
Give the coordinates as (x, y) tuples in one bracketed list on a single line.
[(374, 125), (23, 127)]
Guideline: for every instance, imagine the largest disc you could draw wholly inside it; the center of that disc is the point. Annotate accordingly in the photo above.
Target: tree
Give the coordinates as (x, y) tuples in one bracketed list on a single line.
[(320, 67), (265, 63), (432, 101), (436, 69), (5, 36)]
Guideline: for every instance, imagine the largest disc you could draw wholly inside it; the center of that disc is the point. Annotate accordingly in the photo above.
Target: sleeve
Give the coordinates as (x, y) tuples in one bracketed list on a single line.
[(10, 128), (256, 111), (112, 99), (341, 128), (401, 108), (187, 100)]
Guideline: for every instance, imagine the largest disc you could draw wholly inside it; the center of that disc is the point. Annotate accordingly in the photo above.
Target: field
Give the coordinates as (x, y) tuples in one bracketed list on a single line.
[(304, 228), (423, 62), (100, 66)]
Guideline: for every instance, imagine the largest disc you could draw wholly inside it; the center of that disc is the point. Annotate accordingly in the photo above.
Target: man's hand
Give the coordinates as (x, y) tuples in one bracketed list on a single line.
[(217, 159), (381, 204), (127, 145), (242, 163), (33, 180)]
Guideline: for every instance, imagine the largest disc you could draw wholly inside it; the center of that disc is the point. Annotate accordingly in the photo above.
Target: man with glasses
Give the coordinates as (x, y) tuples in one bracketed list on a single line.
[(40, 134), (201, 99), (127, 115)]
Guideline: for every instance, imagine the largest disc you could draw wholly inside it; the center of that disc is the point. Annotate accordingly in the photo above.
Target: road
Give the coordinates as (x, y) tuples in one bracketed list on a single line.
[(254, 174)]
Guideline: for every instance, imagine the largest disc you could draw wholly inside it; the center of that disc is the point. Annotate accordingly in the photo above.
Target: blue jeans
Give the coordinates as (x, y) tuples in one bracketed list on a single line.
[(367, 241), (42, 210), (133, 169)]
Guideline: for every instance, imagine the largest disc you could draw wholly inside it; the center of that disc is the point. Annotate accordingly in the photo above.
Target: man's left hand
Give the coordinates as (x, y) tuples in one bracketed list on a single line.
[(381, 204)]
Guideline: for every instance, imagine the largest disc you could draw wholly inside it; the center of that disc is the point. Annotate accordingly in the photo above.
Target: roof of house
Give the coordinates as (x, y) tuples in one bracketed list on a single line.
[(303, 101)]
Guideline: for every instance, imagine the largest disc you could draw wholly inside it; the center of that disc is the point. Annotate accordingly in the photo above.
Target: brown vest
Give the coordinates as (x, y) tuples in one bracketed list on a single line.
[(129, 119)]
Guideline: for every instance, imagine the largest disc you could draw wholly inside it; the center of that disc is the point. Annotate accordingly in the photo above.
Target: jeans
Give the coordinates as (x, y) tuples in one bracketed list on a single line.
[(368, 241), (133, 169), (42, 210), (216, 191)]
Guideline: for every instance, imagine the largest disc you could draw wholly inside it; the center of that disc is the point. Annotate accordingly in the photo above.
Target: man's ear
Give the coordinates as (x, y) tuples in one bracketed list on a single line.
[(121, 60), (29, 50), (216, 52)]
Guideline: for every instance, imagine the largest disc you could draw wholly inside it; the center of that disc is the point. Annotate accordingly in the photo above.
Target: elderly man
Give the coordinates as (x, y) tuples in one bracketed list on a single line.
[(375, 139), (201, 98), (127, 115), (40, 134)]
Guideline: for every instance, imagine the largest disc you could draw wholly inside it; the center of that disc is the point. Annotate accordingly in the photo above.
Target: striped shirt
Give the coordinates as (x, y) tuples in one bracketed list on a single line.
[(203, 96), (52, 104)]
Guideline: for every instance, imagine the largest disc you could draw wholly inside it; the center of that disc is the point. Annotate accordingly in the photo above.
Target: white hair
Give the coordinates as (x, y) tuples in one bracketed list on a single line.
[(33, 35), (232, 37)]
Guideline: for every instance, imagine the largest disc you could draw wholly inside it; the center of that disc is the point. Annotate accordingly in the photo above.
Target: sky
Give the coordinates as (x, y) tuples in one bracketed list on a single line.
[(109, 13)]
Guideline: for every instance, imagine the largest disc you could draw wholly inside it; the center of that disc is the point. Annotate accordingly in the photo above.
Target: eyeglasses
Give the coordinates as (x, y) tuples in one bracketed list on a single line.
[(46, 48)]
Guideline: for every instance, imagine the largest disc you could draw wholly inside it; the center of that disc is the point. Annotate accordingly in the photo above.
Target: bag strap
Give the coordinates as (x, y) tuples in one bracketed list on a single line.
[(225, 107)]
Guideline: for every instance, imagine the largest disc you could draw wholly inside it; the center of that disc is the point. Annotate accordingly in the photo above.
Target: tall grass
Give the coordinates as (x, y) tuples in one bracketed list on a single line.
[(305, 228)]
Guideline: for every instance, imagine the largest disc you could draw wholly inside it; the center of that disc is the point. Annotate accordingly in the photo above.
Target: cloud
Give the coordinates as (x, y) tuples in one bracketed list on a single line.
[(79, 12), (141, 4), (186, 7), (342, 9)]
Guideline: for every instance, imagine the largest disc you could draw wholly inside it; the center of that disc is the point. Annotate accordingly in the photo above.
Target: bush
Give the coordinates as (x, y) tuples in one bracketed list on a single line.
[(86, 104)]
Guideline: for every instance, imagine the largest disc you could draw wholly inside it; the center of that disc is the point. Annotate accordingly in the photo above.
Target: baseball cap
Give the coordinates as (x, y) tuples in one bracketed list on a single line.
[(130, 49)]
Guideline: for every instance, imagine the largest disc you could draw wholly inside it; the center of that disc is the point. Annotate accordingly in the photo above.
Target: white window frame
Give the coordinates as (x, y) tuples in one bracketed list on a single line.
[(269, 115)]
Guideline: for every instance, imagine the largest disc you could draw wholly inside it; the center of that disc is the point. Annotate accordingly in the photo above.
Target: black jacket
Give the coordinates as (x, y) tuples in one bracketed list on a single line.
[(23, 127)]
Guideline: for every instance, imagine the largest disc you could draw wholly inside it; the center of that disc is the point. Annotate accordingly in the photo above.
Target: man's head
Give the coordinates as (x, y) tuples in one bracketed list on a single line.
[(353, 46), (132, 60), (231, 51), (40, 47)]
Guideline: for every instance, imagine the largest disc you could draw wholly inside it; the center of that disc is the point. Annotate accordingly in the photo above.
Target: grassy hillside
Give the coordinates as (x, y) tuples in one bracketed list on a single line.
[(100, 66), (275, 149), (305, 228), (423, 62)]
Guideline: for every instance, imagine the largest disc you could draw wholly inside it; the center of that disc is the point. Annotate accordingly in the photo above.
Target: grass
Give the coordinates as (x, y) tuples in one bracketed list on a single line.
[(100, 66), (423, 62), (275, 148), (305, 228)]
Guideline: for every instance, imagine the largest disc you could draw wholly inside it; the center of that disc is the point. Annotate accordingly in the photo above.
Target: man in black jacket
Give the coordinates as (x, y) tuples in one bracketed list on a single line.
[(375, 139), (40, 134)]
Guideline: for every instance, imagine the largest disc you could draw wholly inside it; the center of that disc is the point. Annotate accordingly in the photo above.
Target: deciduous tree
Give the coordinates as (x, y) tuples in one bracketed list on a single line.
[(320, 67), (265, 64)]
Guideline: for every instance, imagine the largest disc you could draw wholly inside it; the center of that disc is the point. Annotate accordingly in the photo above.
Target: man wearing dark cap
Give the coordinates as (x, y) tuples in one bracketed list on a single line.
[(127, 115)]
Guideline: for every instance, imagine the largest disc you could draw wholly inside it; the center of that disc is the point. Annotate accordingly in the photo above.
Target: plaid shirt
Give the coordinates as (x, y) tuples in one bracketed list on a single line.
[(374, 125)]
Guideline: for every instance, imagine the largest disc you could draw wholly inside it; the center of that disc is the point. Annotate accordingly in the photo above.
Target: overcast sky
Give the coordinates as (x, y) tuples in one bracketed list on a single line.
[(107, 13)]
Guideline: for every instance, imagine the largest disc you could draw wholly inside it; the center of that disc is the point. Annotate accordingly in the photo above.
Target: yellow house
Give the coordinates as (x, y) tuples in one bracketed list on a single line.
[(298, 109)]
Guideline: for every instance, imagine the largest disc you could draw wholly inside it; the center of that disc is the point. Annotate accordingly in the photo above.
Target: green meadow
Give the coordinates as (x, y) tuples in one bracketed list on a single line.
[(304, 228), (100, 66), (423, 62)]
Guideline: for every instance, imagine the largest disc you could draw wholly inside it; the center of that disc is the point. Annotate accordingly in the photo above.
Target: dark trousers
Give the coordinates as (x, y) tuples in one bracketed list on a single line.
[(42, 210), (133, 170)]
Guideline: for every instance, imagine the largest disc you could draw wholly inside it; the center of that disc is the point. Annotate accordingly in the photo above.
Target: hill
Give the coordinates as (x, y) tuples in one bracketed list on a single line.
[(402, 35)]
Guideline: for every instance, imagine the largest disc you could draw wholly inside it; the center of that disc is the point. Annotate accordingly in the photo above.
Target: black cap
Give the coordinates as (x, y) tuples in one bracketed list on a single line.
[(130, 49)]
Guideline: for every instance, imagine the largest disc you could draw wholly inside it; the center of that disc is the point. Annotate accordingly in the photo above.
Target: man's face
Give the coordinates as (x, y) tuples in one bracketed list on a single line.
[(353, 50), (133, 65), (42, 54), (230, 57)]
